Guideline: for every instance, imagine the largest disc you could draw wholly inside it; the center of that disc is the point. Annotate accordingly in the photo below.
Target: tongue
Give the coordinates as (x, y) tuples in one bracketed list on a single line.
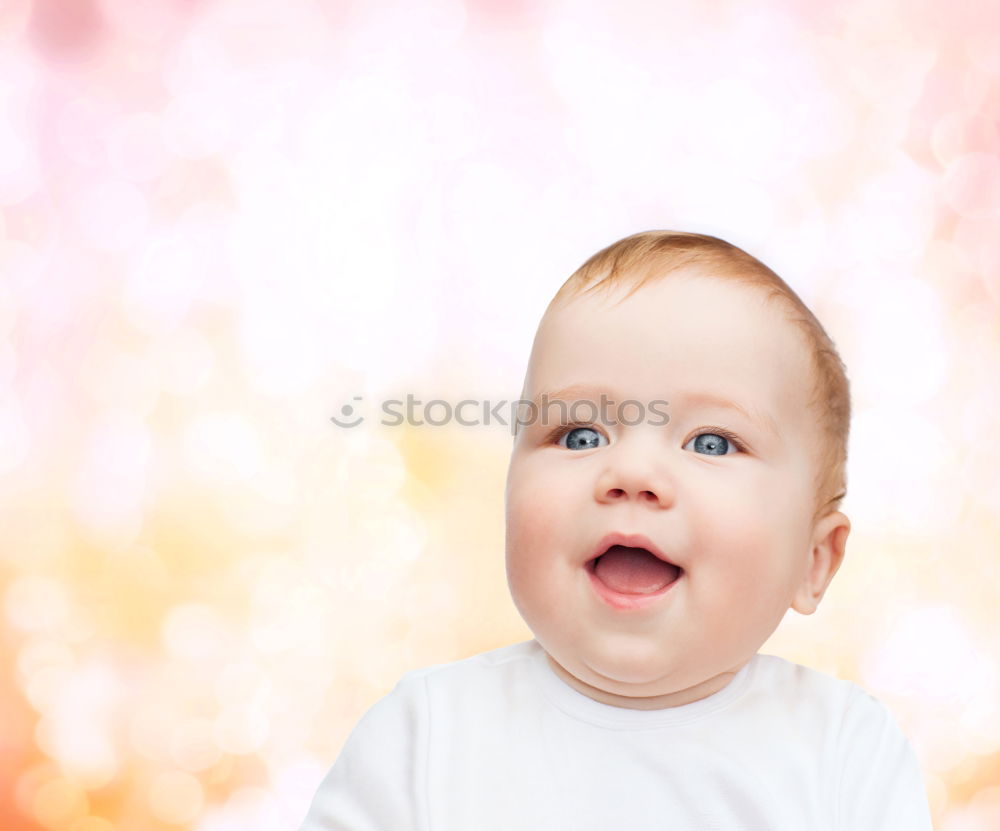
[(634, 570)]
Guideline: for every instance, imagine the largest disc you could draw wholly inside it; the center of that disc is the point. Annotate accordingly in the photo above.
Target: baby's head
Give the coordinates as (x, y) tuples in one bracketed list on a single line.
[(715, 437)]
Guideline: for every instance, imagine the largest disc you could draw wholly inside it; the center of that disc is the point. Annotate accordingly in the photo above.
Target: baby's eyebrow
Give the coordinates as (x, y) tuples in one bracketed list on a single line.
[(574, 392), (584, 392), (710, 399)]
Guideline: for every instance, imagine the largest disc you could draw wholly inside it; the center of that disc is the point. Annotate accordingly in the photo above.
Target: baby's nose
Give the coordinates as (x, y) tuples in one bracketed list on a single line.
[(640, 478)]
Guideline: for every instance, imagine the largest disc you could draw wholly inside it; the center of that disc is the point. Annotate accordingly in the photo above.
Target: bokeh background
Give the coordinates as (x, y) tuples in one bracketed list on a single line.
[(223, 221)]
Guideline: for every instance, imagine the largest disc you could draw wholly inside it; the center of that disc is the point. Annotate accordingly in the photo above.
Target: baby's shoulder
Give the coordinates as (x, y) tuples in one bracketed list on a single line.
[(803, 689), (486, 688), (811, 695), (485, 669)]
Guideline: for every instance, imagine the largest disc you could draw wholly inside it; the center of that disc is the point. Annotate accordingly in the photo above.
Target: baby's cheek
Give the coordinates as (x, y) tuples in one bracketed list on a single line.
[(527, 524), (528, 500), (533, 533), (738, 538)]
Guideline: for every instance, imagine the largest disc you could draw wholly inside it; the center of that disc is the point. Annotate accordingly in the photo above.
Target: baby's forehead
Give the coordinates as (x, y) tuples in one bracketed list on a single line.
[(683, 332), (748, 307)]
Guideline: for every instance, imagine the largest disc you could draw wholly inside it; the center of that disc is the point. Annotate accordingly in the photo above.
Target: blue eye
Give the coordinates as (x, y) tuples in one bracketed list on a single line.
[(582, 438), (713, 444)]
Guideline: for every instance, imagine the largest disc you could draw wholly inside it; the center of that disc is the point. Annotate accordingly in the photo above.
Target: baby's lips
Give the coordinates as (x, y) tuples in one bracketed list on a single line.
[(633, 570), (629, 541)]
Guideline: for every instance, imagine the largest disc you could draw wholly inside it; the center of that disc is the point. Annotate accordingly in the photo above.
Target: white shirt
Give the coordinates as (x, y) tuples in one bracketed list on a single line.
[(499, 741)]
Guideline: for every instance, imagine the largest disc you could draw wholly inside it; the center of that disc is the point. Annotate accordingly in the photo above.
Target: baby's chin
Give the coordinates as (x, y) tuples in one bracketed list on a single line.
[(623, 669), (635, 687)]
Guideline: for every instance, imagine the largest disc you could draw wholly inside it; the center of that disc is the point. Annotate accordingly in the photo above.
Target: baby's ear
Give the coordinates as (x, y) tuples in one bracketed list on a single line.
[(825, 556)]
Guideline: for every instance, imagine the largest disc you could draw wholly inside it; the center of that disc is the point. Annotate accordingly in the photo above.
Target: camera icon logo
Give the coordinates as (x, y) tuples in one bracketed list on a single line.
[(348, 411)]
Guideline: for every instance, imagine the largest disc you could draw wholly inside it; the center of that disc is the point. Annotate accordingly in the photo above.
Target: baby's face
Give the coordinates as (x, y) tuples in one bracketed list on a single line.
[(733, 514)]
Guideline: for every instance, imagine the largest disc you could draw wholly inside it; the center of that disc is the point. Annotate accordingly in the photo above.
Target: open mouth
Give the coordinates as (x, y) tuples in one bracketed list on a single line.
[(633, 570)]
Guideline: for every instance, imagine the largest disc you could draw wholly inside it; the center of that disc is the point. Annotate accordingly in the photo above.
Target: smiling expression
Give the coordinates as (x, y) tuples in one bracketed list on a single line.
[(723, 490)]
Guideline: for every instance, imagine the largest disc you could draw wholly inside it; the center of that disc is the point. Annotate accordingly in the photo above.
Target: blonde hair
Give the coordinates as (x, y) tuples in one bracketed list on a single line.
[(652, 255)]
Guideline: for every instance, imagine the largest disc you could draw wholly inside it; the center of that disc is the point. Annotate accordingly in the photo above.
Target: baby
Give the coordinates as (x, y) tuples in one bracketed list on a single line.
[(673, 490)]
